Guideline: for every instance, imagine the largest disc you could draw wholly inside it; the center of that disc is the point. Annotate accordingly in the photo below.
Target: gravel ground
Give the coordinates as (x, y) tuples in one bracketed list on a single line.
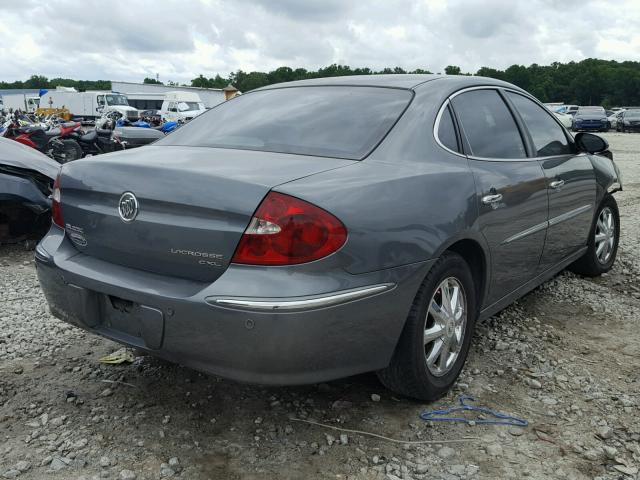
[(565, 357)]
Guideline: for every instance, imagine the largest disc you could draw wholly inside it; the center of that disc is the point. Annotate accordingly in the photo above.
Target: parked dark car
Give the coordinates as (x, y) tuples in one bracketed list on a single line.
[(590, 118), (318, 229), (629, 121), (26, 182)]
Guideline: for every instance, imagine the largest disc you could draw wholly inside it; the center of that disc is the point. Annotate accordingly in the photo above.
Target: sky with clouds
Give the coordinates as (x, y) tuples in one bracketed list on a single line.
[(179, 39)]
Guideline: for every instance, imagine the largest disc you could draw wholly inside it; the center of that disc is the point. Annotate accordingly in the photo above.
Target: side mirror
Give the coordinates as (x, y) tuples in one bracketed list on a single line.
[(590, 143)]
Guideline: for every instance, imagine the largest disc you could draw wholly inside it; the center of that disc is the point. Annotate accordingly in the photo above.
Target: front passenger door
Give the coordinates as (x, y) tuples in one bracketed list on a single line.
[(570, 179)]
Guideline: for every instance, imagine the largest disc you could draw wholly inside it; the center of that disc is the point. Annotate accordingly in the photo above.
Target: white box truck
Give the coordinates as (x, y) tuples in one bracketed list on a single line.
[(91, 104), (19, 101)]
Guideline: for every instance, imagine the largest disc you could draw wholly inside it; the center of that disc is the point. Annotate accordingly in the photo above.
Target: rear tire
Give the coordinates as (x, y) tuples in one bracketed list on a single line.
[(416, 370), (67, 151), (604, 238)]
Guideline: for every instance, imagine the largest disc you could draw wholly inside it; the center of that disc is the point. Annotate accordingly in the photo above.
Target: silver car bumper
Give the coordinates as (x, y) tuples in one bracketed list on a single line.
[(268, 339)]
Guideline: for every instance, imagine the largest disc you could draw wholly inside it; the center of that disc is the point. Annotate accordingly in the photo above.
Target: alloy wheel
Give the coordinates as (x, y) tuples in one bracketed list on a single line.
[(445, 326), (605, 236)]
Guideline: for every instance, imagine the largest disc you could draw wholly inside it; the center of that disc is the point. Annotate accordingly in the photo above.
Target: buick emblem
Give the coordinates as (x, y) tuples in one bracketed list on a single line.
[(128, 207)]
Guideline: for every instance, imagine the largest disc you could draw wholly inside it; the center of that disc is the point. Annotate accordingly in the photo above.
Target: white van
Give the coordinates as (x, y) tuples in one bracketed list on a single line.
[(181, 106), (91, 104)]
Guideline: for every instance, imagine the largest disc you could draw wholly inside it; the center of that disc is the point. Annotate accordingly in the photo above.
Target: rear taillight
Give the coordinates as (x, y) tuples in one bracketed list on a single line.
[(286, 230), (56, 209)]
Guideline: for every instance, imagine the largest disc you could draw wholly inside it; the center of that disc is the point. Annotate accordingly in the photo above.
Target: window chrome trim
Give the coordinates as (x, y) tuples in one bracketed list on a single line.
[(436, 127), (300, 303), (471, 157), (525, 94), (477, 87)]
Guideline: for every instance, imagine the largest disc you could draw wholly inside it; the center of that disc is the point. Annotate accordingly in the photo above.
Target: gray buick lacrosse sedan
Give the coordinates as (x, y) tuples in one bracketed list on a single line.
[(318, 229)]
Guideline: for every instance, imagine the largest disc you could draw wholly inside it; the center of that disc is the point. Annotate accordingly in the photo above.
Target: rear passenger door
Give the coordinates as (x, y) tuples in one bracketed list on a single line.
[(511, 188), (571, 183)]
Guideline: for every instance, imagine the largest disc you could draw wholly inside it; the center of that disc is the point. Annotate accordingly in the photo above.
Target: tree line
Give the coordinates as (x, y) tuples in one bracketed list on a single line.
[(40, 81), (588, 82)]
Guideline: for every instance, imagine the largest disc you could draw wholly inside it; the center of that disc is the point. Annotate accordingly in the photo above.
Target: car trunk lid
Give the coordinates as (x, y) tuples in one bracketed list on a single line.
[(193, 204)]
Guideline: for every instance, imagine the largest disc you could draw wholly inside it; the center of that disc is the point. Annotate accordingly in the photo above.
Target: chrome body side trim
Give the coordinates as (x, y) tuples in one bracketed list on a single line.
[(570, 214), (297, 304), (526, 233), (552, 221)]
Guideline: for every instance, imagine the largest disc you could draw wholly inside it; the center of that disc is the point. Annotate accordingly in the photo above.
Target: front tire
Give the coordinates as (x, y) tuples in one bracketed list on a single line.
[(437, 335), (604, 238)]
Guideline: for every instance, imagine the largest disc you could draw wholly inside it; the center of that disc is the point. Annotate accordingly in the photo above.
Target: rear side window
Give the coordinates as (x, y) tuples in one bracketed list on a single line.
[(447, 132), (548, 137), (488, 125), (332, 121)]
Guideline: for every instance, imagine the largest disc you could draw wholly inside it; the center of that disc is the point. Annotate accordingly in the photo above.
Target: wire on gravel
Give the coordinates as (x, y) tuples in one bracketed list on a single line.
[(382, 437)]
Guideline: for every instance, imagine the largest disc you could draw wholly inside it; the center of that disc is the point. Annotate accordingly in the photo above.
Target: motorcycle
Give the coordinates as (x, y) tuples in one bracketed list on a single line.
[(99, 141), (54, 142), (112, 120), (123, 122)]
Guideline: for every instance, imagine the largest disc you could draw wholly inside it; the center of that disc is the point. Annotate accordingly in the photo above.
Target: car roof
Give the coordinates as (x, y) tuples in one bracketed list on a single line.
[(406, 81)]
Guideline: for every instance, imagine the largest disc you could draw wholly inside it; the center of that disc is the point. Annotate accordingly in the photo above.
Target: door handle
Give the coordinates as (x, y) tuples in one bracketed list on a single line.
[(489, 199), (556, 183)]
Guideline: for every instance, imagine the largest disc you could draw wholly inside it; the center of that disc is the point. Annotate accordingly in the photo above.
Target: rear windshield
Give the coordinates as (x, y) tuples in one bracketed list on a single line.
[(331, 121)]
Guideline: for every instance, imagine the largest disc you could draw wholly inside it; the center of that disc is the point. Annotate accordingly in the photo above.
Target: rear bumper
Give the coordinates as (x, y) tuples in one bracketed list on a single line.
[(327, 327)]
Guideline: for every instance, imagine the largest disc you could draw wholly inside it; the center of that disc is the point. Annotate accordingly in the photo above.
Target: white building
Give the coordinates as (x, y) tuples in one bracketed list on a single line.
[(209, 96)]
